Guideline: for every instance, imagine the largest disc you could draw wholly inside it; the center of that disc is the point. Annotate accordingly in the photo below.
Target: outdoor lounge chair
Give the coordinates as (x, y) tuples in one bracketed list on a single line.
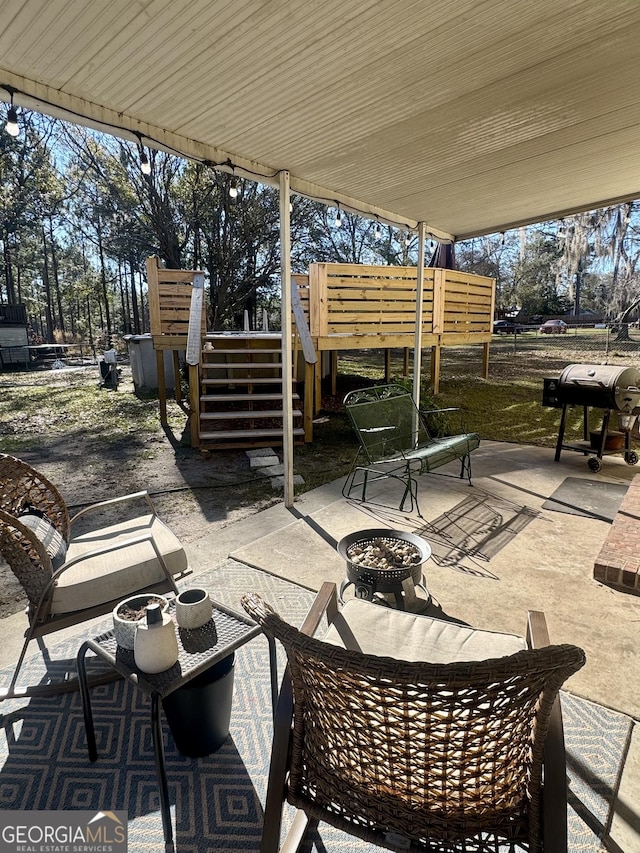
[(69, 579), (395, 441), (451, 741)]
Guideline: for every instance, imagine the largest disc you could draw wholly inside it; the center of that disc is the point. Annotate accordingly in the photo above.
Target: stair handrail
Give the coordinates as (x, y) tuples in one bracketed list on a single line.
[(194, 330), (304, 333)]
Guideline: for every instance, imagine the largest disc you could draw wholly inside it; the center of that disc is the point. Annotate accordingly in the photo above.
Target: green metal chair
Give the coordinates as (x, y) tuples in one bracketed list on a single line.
[(395, 442)]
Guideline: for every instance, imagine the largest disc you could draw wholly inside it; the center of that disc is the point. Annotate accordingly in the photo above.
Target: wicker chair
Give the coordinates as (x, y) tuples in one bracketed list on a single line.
[(454, 754), (69, 579)]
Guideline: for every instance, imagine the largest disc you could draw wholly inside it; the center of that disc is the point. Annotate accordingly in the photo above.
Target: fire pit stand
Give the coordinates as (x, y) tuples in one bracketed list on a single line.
[(385, 566)]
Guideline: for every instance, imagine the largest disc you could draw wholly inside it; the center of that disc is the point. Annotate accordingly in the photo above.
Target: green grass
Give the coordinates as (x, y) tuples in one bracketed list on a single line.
[(42, 409), (38, 407)]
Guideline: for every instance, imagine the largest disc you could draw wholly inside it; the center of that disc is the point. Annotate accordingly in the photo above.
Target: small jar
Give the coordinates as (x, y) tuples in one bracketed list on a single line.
[(193, 608), (156, 645)]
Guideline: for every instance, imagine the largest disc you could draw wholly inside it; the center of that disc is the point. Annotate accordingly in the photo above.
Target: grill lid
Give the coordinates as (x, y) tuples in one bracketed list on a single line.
[(604, 386)]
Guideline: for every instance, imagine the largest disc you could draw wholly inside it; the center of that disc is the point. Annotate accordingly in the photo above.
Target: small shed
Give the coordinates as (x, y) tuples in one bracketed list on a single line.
[(14, 335)]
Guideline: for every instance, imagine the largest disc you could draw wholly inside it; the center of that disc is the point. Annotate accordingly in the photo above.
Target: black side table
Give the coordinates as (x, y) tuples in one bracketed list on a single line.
[(199, 649)]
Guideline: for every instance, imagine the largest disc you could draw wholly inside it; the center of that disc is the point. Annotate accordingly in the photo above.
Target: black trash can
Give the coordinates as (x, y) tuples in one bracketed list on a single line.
[(199, 713)]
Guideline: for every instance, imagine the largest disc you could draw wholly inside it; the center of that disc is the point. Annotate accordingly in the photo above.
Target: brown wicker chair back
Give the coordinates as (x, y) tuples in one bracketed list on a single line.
[(21, 486), (435, 756), (26, 556)]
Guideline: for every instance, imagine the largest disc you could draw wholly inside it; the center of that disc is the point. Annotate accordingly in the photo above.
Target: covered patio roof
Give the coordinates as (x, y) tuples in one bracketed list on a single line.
[(472, 117)]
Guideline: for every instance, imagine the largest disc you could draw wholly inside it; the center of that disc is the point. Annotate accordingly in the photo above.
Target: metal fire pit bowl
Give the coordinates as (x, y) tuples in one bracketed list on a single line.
[(368, 581)]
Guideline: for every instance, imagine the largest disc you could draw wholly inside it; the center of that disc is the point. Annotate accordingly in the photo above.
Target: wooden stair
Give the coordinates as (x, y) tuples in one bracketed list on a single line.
[(241, 393)]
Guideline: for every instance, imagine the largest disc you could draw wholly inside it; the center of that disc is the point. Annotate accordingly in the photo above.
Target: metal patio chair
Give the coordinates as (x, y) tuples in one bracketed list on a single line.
[(70, 578), (417, 734), (395, 441)]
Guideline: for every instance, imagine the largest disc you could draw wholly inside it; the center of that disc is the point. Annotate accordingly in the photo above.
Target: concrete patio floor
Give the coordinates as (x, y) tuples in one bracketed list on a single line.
[(496, 554)]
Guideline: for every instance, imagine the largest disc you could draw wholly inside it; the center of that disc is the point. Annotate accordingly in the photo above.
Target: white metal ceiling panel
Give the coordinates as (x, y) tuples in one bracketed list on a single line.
[(469, 115)]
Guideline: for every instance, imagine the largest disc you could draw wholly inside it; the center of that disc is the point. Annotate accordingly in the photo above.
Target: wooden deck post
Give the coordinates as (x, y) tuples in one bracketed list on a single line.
[(309, 379), (177, 385), (334, 371), (194, 404), (162, 386), (435, 368)]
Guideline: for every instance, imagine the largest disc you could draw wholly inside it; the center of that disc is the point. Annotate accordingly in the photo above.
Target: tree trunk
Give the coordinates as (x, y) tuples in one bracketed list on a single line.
[(103, 280), (134, 298), (56, 278), (89, 327), (47, 288), (8, 272)]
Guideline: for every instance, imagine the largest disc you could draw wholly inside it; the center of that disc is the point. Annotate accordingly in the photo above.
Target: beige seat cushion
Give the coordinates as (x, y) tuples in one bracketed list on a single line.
[(375, 630), (117, 573)]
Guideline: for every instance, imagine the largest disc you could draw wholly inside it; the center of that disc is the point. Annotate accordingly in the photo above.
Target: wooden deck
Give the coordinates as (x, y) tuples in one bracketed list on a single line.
[(346, 307)]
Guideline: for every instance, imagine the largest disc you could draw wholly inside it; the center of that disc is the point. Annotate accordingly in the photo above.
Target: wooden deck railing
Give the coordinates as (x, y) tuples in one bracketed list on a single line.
[(352, 306)]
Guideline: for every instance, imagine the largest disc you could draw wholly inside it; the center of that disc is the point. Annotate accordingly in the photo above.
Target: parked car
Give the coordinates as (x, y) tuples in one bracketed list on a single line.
[(507, 327), (553, 327)]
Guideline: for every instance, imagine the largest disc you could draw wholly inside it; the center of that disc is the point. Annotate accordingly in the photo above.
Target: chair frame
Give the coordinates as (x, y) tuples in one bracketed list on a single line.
[(398, 441), (22, 485), (547, 812)]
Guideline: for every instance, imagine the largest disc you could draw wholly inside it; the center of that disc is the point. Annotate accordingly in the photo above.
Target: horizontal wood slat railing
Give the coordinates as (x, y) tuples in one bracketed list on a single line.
[(346, 303), (351, 306)]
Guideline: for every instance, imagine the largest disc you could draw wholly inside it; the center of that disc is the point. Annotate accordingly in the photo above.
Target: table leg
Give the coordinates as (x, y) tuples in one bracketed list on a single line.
[(273, 669), (86, 702), (158, 748)]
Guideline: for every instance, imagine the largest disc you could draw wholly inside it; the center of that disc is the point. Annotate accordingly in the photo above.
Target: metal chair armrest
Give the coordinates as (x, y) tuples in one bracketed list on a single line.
[(445, 410), (111, 501)]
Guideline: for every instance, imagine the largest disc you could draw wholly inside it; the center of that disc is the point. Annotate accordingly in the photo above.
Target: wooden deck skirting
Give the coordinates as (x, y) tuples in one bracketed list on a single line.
[(618, 563)]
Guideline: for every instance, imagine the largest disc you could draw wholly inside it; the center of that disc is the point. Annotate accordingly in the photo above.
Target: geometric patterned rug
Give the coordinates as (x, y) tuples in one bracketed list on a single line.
[(217, 801)]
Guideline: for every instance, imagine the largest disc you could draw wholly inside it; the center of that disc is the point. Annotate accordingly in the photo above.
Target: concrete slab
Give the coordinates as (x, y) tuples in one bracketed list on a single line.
[(496, 554), (260, 462)]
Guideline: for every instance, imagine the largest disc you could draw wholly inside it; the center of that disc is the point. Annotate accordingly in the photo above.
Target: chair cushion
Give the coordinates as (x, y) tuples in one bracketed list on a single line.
[(119, 573), (376, 630), (51, 539)]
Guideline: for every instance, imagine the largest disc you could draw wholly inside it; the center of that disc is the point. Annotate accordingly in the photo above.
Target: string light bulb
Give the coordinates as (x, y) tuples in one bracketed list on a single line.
[(233, 188), (145, 165), (378, 232), (12, 126), (338, 219), (407, 238)]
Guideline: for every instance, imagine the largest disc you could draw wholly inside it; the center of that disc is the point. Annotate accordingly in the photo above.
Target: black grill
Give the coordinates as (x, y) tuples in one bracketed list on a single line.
[(612, 388), (601, 386)]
